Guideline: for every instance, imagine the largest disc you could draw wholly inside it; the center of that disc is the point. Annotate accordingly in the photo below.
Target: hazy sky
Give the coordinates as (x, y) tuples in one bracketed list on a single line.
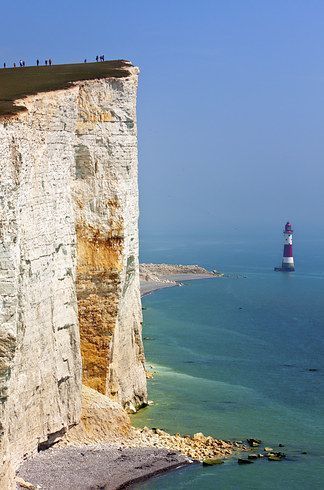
[(231, 99)]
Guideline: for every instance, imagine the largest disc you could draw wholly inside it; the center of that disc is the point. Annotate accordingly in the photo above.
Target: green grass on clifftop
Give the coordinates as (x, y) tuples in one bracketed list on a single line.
[(16, 83)]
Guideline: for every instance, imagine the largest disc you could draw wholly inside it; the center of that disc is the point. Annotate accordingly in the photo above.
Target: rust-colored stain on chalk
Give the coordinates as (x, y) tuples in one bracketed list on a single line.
[(99, 263)]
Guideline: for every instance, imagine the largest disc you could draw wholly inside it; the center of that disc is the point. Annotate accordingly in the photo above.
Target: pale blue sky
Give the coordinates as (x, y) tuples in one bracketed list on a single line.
[(231, 100)]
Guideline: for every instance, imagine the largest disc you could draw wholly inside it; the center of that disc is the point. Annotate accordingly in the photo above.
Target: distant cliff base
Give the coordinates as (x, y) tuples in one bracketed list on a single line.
[(159, 276)]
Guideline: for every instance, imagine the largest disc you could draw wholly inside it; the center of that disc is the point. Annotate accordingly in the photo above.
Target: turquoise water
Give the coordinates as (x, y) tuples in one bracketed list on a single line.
[(232, 357)]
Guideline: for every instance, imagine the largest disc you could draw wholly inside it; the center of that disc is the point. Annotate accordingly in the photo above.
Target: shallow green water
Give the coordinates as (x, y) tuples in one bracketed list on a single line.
[(232, 357)]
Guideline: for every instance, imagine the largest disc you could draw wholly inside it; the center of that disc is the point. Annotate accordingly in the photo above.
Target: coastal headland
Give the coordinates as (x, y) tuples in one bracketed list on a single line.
[(72, 364), (69, 281), (159, 276)]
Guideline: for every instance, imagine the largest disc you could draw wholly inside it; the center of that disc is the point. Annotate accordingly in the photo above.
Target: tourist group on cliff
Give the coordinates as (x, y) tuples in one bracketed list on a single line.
[(48, 62)]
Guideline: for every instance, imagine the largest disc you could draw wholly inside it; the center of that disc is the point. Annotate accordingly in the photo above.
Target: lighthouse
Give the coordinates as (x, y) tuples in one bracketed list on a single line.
[(287, 264)]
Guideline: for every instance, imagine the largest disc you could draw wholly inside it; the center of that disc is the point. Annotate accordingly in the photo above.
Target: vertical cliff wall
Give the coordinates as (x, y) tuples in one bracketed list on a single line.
[(68, 260), (40, 359), (106, 206)]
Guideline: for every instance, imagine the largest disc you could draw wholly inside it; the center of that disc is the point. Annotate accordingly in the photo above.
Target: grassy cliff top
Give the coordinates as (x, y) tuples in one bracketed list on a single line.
[(16, 83)]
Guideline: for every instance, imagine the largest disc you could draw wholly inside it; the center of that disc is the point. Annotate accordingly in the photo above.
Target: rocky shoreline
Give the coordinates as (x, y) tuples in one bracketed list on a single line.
[(104, 450), (142, 454), (112, 466)]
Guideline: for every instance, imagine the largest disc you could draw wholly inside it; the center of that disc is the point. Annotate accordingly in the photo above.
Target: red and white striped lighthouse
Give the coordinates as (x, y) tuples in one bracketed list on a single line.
[(287, 264)]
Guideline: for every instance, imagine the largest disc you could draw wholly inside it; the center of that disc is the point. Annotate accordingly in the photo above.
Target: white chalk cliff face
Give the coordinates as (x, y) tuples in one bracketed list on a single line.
[(106, 206), (68, 261)]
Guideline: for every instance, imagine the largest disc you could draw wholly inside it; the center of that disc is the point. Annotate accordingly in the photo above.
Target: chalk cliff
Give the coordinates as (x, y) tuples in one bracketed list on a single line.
[(106, 208), (69, 281)]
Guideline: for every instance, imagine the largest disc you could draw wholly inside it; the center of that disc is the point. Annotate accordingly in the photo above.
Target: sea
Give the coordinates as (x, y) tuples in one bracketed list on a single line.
[(238, 357)]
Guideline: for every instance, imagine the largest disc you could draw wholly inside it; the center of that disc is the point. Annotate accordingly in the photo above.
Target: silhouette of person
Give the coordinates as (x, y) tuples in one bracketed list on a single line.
[(23, 63), (85, 60), (46, 62), (14, 65), (37, 62), (4, 65), (50, 62)]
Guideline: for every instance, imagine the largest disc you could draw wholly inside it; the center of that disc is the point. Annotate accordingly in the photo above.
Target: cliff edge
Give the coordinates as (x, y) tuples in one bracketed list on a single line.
[(69, 280)]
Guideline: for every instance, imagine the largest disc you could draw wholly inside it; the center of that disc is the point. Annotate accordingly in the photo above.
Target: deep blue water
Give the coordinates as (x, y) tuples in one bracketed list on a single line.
[(233, 355)]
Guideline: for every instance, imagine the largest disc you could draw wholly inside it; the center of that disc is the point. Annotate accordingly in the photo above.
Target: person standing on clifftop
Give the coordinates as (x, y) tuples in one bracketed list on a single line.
[(4, 65), (97, 58), (37, 62), (50, 62), (46, 62)]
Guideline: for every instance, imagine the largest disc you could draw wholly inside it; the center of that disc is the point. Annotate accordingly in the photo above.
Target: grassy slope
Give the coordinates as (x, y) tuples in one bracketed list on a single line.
[(15, 83)]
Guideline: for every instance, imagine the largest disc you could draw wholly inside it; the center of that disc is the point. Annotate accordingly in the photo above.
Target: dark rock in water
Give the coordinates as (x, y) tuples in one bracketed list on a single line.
[(276, 456), (273, 457), (253, 456), (282, 455), (281, 445), (313, 370), (240, 308), (304, 452), (212, 462), (244, 461), (254, 442)]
